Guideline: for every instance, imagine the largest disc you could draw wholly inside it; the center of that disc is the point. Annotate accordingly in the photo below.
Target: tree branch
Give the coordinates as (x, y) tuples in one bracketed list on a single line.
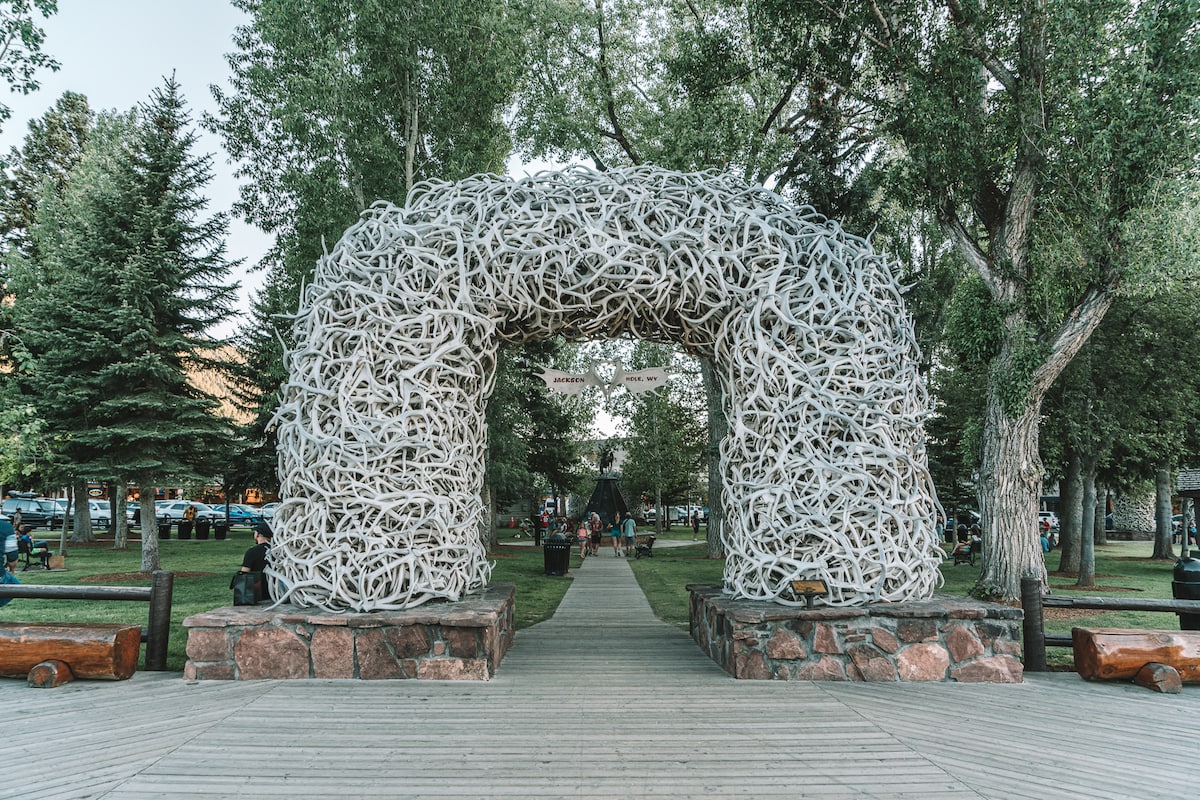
[(610, 105), (995, 67)]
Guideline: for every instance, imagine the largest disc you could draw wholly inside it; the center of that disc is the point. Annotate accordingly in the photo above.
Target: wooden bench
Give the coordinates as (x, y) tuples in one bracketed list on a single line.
[(1138, 654), (102, 649), (50, 654)]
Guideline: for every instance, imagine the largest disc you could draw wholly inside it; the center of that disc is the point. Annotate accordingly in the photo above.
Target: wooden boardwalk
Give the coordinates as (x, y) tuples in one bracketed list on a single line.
[(602, 701)]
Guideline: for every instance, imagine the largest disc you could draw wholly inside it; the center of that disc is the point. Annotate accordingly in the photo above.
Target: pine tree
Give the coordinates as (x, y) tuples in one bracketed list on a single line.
[(140, 278)]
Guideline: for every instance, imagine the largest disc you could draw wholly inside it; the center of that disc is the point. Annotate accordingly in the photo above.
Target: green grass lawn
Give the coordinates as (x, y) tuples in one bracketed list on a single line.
[(203, 570)]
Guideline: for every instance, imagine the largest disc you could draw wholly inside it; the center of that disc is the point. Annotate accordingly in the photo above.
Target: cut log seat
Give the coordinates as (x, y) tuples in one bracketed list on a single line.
[(101, 651), (1120, 653)]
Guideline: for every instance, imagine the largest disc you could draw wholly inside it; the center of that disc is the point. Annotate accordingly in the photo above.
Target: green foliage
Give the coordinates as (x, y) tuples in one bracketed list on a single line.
[(666, 432), (113, 306), (21, 41), (334, 106)]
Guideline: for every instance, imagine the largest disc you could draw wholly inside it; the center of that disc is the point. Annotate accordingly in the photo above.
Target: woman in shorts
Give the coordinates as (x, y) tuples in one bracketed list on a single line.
[(583, 535)]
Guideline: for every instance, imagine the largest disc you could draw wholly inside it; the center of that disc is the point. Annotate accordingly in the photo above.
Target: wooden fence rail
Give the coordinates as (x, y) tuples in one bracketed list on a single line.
[(158, 594), (1033, 602)]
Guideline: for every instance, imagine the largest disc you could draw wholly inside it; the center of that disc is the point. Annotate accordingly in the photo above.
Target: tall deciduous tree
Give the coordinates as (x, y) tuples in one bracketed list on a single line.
[(338, 104), (695, 85), (1023, 122)]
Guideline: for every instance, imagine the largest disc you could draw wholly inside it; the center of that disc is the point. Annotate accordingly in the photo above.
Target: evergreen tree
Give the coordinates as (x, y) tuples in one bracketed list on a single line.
[(138, 278)]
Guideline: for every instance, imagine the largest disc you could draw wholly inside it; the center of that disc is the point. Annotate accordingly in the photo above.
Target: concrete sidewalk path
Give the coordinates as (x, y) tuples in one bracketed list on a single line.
[(601, 701)]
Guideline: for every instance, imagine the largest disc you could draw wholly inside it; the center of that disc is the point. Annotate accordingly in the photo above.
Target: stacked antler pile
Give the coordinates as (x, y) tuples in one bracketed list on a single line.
[(382, 431)]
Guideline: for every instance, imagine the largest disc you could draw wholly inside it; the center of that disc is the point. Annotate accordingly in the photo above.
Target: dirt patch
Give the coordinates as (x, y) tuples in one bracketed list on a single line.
[(1068, 613), (132, 577)]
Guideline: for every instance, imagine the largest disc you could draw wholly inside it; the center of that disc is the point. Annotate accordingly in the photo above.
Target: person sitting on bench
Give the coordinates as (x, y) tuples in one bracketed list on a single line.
[(26, 545)]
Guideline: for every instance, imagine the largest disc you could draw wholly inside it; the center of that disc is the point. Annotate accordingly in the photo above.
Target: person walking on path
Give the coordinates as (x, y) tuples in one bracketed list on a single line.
[(695, 526), (596, 531), (615, 533), (629, 528), (582, 534)]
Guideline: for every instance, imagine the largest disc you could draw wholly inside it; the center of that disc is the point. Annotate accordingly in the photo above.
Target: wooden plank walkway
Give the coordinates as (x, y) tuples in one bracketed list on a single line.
[(601, 701)]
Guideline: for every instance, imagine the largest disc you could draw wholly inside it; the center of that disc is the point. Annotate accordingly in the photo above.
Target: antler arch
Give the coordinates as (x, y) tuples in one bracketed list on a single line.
[(382, 433)]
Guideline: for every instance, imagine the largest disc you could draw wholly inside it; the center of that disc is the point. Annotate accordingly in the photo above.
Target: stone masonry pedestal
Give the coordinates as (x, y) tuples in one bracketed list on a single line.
[(942, 639), (436, 641)]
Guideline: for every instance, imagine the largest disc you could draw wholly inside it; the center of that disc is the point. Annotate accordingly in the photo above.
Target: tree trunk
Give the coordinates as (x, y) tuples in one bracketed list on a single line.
[(1101, 521), (119, 520), (83, 513), (1010, 487), (1087, 540), (1070, 514), (488, 526), (717, 428), (1163, 548), (149, 519)]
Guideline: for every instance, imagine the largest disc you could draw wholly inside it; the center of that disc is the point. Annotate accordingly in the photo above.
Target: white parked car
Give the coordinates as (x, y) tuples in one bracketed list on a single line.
[(268, 511), (172, 510), (98, 510), (1048, 519)]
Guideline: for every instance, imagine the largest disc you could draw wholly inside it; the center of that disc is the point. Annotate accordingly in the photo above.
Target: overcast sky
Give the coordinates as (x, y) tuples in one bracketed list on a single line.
[(117, 51)]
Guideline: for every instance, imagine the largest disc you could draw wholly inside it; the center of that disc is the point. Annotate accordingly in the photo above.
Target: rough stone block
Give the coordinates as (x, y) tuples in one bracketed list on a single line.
[(408, 641), (332, 653), (885, 640), (785, 645), (870, 663), (994, 669), (825, 640), (453, 669), (923, 662), (377, 661), (911, 631), (207, 644), (825, 668), (962, 644), (271, 653), (752, 666)]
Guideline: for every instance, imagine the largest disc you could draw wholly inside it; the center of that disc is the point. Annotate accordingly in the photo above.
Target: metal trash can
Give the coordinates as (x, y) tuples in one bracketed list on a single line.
[(220, 530), (203, 526), (185, 529), (164, 530), (556, 555), (1186, 586)]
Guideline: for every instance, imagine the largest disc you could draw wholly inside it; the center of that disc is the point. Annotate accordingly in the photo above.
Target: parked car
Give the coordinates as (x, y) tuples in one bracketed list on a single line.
[(1048, 519), (172, 511), (241, 514), (36, 512), (268, 511), (98, 511)]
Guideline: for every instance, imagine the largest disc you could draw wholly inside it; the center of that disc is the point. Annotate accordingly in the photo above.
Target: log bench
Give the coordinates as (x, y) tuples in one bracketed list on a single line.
[(86, 650), (1158, 659), (49, 654)]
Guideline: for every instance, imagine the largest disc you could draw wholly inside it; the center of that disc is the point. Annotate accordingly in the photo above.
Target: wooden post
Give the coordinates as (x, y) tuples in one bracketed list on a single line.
[(1033, 628), (158, 629)]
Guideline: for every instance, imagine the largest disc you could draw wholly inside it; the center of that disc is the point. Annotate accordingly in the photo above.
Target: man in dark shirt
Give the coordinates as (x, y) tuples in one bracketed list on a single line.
[(255, 559)]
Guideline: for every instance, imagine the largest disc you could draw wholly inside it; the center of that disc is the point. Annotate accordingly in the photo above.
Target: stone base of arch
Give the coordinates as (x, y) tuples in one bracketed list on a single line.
[(944, 638), (461, 640)]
